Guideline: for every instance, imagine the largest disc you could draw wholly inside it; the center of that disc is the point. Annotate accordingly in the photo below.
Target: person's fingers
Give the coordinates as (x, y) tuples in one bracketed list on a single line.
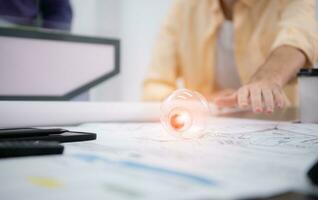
[(261, 96), (256, 99), (242, 97), (278, 98), (268, 99), (226, 101)]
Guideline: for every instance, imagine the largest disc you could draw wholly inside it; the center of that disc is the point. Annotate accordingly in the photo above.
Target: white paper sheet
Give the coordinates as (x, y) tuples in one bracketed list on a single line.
[(236, 159), (14, 114)]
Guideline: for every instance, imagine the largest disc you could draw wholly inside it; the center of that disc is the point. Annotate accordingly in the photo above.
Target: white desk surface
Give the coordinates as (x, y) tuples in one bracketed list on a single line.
[(236, 158)]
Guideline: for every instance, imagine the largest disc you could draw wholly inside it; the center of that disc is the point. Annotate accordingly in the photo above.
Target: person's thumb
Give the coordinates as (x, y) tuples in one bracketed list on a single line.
[(226, 101)]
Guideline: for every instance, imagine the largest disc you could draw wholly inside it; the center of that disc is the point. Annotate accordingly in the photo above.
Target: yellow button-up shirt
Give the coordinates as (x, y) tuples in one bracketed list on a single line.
[(186, 45)]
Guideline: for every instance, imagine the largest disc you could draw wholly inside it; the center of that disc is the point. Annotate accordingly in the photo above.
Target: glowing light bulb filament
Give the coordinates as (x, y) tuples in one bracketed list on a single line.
[(180, 121)]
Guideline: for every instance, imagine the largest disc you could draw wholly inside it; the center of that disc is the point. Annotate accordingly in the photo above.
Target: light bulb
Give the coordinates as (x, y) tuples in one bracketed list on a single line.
[(185, 114)]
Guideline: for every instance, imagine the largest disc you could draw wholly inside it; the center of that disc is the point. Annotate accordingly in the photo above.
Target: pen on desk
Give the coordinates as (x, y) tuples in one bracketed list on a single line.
[(28, 132)]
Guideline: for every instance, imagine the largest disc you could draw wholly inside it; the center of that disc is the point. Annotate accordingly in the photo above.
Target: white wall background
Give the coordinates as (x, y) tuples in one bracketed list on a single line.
[(136, 24), (141, 20)]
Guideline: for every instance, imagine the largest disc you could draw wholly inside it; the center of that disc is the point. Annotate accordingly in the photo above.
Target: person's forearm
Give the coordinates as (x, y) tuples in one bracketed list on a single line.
[(281, 66), (264, 90)]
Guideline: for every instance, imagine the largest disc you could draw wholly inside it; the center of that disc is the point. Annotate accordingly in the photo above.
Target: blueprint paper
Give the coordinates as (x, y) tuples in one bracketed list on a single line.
[(236, 159)]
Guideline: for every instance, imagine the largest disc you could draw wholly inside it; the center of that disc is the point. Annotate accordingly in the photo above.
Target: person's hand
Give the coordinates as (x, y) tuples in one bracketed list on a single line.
[(260, 96), (264, 91)]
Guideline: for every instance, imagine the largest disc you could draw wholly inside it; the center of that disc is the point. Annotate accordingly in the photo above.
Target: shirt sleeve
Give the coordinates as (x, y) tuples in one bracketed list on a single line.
[(298, 28), (163, 71)]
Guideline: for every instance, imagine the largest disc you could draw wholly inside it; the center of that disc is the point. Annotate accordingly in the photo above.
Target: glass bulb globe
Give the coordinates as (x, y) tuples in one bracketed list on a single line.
[(185, 114)]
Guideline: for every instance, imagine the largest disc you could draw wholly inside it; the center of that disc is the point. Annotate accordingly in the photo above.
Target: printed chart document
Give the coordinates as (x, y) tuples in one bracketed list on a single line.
[(235, 159)]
